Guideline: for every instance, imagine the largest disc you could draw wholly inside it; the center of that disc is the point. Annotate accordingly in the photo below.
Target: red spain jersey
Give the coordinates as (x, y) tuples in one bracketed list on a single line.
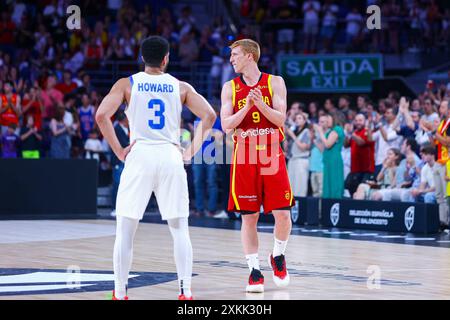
[(441, 150), (258, 175), (255, 128), (9, 116)]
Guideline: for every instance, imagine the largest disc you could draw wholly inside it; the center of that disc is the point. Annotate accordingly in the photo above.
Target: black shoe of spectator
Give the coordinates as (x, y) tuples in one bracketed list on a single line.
[(198, 214), (210, 214), (443, 227)]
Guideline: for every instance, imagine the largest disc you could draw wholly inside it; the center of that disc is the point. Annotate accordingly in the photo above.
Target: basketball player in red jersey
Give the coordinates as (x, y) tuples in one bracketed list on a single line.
[(254, 107)]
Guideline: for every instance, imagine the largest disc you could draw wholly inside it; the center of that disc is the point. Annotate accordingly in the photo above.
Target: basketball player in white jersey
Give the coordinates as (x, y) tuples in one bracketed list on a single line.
[(154, 159)]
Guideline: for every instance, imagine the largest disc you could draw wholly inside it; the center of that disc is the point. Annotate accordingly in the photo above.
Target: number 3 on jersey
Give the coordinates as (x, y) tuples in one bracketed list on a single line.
[(158, 120)]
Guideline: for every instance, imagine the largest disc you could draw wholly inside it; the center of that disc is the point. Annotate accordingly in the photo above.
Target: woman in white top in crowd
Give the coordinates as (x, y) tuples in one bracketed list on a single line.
[(298, 166)]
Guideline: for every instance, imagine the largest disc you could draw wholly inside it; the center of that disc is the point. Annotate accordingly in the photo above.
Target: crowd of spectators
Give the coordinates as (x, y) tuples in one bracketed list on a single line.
[(48, 99), (312, 26), (339, 147), (391, 149), (45, 69)]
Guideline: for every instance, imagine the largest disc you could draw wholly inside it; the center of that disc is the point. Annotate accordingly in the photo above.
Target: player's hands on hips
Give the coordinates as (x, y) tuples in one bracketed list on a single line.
[(187, 158), (125, 151), (186, 155)]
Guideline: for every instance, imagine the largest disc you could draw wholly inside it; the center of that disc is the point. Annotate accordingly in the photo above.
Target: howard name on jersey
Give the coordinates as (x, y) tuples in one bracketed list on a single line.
[(154, 111)]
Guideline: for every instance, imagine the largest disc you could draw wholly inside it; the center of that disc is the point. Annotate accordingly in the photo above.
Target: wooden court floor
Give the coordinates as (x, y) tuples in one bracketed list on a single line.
[(39, 260)]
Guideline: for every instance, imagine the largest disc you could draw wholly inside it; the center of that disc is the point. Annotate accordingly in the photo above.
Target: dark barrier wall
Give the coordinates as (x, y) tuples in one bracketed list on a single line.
[(359, 214), (305, 211), (46, 187), (383, 216)]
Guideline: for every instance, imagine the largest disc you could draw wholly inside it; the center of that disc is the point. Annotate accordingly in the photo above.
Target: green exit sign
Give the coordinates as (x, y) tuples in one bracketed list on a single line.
[(330, 73)]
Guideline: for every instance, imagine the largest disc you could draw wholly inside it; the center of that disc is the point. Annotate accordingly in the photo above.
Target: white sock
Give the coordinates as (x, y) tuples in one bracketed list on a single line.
[(252, 261), (279, 247), (123, 253), (182, 249)]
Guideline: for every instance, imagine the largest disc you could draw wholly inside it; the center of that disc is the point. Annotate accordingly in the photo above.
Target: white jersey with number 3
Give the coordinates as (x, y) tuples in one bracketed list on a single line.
[(154, 164), (154, 111)]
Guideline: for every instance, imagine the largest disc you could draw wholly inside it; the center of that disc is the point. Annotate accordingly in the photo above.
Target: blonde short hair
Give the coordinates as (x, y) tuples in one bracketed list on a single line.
[(248, 46)]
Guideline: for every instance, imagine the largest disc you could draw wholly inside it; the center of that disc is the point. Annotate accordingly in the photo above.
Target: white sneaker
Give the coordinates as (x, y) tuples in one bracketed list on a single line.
[(113, 213), (221, 215), (280, 274)]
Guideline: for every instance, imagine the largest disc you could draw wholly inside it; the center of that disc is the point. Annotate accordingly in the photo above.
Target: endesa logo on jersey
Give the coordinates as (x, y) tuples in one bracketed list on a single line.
[(257, 132)]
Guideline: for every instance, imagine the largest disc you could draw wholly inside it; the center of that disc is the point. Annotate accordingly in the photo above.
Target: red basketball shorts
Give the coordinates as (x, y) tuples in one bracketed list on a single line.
[(258, 176)]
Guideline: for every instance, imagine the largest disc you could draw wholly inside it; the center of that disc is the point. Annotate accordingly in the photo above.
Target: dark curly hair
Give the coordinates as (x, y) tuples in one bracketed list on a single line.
[(153, 50)]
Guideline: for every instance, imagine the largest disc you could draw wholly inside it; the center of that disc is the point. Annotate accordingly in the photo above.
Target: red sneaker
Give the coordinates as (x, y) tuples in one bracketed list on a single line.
[(255, 282), (114, 296), (280, 273), (183, 297)]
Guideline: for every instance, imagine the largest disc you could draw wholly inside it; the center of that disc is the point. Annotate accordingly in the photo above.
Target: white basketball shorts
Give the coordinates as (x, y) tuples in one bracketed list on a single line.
[(152, 168)]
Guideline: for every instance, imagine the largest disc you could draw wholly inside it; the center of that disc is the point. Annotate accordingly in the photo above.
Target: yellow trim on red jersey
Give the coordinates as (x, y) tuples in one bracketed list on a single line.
[(292, 195), (233, 182), (233, 88), (233, 136), (282, 132), (442, 150), (269, 85)]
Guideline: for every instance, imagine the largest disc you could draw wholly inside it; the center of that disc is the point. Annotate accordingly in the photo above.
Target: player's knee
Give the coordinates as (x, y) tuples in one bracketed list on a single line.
[(178, 226), (283, 217), (250, 219)]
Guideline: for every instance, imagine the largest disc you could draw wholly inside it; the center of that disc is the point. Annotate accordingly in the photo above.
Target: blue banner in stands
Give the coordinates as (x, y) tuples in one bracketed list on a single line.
[(382, 216)]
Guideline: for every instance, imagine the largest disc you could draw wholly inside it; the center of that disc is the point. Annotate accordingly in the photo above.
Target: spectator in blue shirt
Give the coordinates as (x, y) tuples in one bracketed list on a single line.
[(204, 168), (122, 131)]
